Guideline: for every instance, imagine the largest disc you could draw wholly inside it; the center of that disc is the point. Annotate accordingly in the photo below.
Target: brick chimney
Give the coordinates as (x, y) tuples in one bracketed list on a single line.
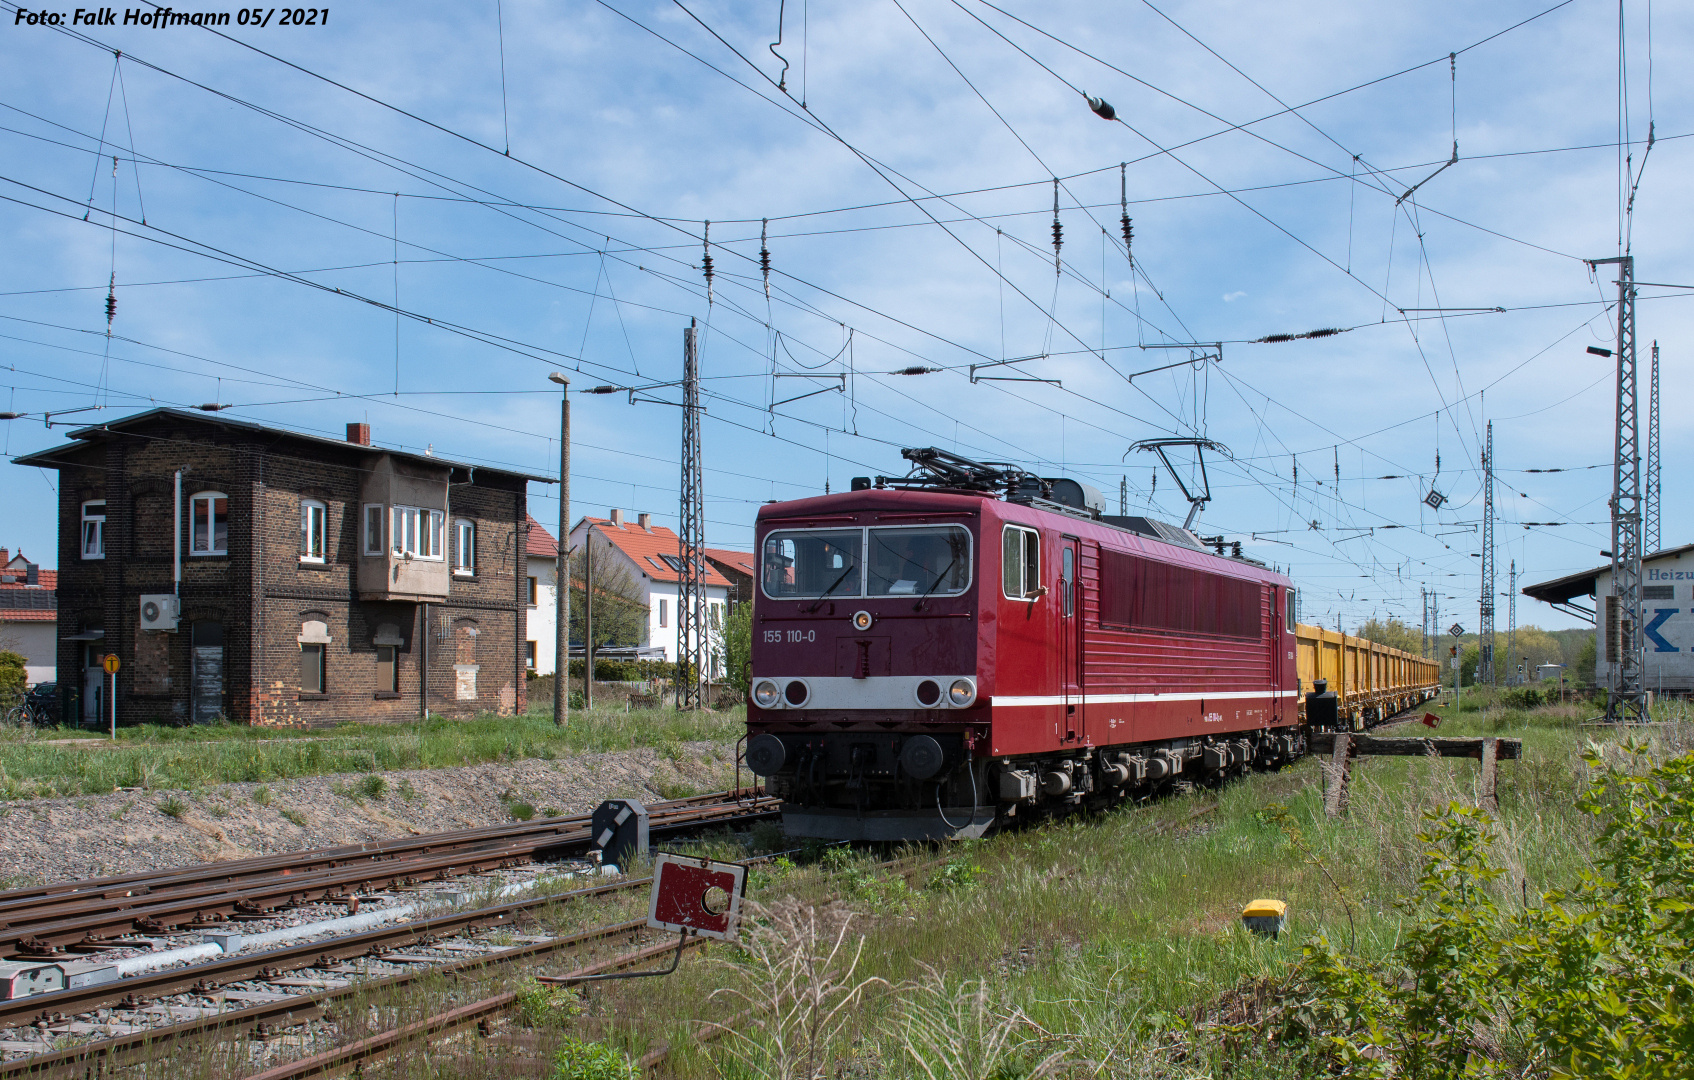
[(646, 521), (5, 556), (617, 518), (359, 434)]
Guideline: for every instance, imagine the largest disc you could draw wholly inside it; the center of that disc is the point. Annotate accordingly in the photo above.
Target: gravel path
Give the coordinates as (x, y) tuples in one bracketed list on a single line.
[(45, 840)]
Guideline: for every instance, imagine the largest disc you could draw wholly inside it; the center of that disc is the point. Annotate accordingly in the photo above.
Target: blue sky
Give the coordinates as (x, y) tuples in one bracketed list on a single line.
[(910, 206)]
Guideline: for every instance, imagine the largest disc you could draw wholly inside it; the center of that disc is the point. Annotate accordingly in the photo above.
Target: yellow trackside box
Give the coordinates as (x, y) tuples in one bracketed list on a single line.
[(1265, 917)]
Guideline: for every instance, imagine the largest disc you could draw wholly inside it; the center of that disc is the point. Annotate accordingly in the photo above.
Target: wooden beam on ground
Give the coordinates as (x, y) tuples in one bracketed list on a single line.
[(1338, 774), (1324, 742)]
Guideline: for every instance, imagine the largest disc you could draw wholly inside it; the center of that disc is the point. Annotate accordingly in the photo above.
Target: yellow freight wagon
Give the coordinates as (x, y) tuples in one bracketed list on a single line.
[(1371, 682)]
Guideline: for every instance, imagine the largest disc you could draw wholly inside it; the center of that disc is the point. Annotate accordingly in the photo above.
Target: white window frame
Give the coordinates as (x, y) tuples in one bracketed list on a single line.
[(94, 528), (417, 531), (1031, 582), (375, 514), (662, 612), (314, 525), (464, 547), (197, 519)]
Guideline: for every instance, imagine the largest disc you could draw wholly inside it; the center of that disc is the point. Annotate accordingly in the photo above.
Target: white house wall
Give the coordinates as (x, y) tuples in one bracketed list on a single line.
[(1667, 624), (542, 617), (37, 643)]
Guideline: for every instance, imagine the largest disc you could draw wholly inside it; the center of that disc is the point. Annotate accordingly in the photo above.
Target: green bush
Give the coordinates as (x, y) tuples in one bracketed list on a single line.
[(738, 647), (626, 670), (1522, 697), (13, 680), (579, 1060), (1593, 981)]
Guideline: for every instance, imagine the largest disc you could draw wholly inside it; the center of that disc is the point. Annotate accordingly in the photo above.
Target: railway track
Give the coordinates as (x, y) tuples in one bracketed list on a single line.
[(92, 916), (98, 918)]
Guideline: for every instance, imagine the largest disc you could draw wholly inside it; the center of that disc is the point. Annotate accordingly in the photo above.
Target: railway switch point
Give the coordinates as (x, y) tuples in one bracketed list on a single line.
[(1267, 917)]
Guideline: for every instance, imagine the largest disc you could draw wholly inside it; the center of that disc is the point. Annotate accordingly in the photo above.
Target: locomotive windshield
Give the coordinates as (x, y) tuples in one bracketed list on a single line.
[(924, 561), (823, 562), (928, 560)]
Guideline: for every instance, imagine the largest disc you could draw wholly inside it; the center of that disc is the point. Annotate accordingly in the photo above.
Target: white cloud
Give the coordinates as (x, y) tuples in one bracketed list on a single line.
[(1232, 297)]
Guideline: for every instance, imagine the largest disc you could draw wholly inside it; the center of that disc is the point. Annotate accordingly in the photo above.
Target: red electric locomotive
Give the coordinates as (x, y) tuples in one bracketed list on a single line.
[(936, 654)]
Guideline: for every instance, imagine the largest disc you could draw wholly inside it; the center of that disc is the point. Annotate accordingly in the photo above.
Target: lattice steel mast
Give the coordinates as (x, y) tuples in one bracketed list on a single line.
[(691, 587), (1485, 633), (1627, 697), (1651, 541)]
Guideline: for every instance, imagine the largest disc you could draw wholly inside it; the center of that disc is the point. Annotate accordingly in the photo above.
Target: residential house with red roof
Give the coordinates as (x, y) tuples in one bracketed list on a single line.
[(29, 615), (653, 554)]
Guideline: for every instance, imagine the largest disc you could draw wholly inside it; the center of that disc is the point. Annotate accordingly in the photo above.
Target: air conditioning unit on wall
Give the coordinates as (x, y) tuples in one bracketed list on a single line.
[(159, 611)]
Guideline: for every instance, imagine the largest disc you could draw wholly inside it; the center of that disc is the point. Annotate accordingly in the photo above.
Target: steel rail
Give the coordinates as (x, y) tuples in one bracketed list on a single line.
[(356, 1053), (260, 865), (243, 966), (93, 921), (300, 1008)]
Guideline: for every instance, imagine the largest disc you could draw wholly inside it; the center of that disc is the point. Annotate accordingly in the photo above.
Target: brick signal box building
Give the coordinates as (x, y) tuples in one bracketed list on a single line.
[(275, 578)]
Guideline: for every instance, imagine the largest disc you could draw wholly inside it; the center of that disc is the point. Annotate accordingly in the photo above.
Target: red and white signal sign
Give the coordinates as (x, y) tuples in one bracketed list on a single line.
[(696, 896)]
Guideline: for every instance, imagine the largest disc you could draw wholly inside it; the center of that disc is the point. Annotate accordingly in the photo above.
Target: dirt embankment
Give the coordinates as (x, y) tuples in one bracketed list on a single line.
[(125, 832)]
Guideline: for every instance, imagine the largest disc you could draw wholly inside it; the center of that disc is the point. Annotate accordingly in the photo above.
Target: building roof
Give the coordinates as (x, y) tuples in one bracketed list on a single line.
[(648, 548), (541, 542), (50, 459), (736, 560), (19, 600), (1564, 589)]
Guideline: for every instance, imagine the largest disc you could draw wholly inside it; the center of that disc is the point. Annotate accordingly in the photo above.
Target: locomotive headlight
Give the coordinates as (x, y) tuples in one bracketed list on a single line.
[(961, 693), (862, 621), (766, 694)]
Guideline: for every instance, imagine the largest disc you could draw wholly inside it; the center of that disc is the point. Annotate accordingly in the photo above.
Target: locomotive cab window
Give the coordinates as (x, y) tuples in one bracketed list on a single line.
[(1020, 563), (1288, 596), (797, 565), (930, 560)]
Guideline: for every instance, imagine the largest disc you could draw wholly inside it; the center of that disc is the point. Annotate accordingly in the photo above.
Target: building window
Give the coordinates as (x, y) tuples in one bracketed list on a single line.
[(94, 529), (209, 524), (529, 652), (311, 669), (662, 613), (313, 518), (418, 532), (533, 590), (373, 529), (464, 546), (387, 670)]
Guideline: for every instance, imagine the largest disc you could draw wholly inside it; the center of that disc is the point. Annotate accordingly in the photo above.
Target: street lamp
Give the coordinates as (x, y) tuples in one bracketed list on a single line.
[(561, 582)]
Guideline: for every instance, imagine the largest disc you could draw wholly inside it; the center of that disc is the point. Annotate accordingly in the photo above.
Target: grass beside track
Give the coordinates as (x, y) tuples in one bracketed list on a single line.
[(1115, 940), (41, 764)]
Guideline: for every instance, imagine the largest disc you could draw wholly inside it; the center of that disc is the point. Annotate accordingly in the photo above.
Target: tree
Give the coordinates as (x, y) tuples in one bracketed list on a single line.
[(1536, 647), (620, 615), (738, 647), (1393, 633), (1581, 670)]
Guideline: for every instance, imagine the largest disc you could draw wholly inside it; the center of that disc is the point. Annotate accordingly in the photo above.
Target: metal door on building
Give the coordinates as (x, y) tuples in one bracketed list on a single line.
[(206, 704), (93, 683)]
